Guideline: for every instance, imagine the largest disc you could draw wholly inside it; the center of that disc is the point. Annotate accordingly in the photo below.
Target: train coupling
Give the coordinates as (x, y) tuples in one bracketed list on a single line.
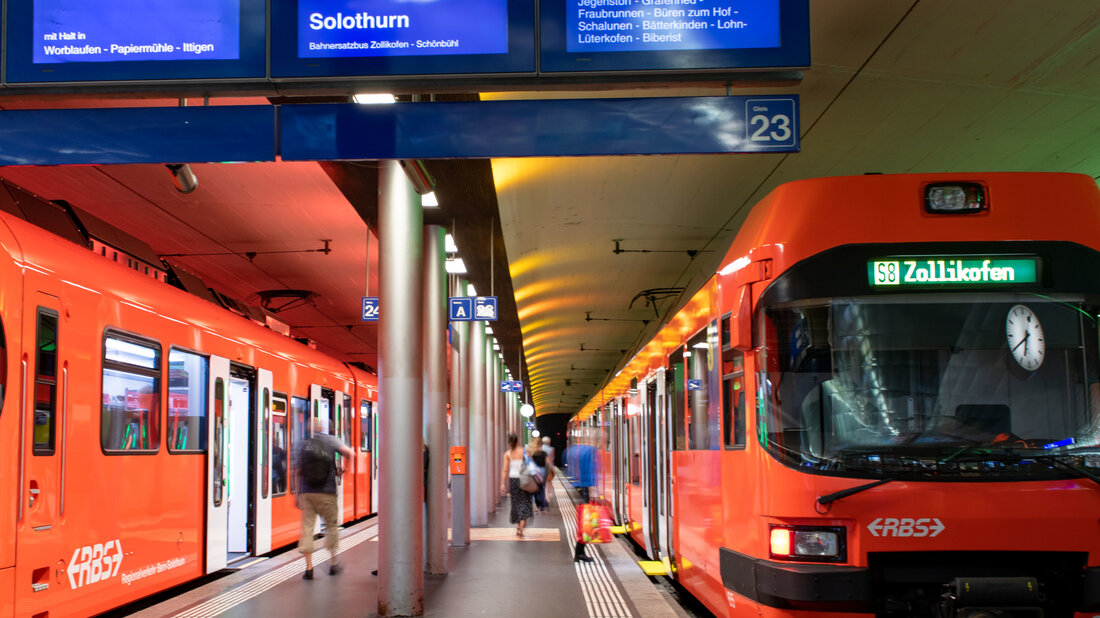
[(992, 597)]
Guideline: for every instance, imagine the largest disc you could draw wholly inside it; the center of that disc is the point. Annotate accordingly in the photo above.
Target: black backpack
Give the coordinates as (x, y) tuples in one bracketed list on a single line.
[(316, 463)]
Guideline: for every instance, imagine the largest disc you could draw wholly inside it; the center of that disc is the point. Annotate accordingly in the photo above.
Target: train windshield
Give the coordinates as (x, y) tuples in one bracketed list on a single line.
[(996, 386)]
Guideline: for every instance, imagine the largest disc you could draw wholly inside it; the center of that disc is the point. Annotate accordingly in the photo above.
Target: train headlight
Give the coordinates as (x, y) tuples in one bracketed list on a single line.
[(954, 198), (807, 543)]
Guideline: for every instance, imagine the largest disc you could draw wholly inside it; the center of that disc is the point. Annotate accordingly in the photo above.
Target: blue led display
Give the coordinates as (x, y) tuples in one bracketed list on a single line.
[(350, 28), (657, 25), (673, 35), (324, 38), (79, 31), (114, 40)]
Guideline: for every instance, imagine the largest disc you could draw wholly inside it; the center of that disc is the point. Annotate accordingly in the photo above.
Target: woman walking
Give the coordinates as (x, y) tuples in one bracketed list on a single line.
[(514, 460)]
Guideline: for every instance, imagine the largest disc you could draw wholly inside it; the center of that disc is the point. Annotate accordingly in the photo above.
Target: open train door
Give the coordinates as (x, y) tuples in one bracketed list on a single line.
[(324, 405), (665, 391), (217, 507), (649, 468), (264, 392)]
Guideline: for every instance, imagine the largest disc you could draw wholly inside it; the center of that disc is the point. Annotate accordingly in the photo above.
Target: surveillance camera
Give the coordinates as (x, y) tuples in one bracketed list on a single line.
[(183, 177)]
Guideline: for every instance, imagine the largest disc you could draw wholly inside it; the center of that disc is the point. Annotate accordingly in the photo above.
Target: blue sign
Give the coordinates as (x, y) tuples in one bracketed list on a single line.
[(370, 308), (77, 40), (679, 35), (695, 385), (485, 308), (401, 37), (618, 26), (529, 424), (354, 28), (511, 386), (473, 308), (546, 128)]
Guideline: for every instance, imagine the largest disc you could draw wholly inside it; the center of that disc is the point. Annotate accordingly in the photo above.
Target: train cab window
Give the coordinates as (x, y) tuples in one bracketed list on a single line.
[(188, 380), (702, 389), (131, 395), (299, 427), (280, 436), (45, 382), (365, 420)]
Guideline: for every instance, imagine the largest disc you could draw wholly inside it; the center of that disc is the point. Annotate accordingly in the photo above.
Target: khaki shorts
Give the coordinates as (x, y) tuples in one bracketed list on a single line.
[(326, 506)]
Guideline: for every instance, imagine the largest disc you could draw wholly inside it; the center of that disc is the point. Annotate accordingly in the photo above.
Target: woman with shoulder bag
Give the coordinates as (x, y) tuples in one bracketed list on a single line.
[(515, 463)]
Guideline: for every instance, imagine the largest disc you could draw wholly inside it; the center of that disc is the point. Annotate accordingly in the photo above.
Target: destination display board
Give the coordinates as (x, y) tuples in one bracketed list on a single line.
[(682, 35), (953, 271), (398, 37), (122, 40)]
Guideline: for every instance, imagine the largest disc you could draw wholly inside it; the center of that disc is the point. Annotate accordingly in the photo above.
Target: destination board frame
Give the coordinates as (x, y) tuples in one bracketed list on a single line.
[(20, 68), (520, 57), (793, 51)]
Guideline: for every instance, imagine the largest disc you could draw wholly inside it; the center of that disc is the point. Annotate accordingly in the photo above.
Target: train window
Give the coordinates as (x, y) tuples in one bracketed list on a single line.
[(733, 403), (188, 379), (635, 453), (726, 330), (218, 469), (364, 424), (278, 447), (702, 389), (347, 420), (674, 391), (45, 382), (299, 427), (265, 449), (131, 396)]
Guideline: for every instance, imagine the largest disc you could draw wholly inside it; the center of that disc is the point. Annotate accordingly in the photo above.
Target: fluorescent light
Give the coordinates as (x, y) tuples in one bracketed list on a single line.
[(455, 266), (470, 291), (449, 244), (374, 98), (428, 200), (488, 329)]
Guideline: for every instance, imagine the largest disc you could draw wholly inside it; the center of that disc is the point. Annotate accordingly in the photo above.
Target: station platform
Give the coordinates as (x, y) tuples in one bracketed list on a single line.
[(496, 574)]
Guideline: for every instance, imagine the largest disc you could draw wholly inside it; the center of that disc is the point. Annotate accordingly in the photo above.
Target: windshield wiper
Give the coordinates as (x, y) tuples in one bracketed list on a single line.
[(1058, 459), (844, 493)]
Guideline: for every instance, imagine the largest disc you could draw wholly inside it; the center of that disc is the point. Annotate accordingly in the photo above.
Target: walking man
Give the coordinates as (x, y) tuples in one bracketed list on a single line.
[(318, 469)]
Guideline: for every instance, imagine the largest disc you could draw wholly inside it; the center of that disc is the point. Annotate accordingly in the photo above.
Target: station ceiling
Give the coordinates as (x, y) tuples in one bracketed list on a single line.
[(596, 251)]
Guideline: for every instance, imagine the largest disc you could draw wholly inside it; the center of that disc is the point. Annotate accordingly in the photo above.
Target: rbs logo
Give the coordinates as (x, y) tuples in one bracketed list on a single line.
[(95, 563), (906, 527)]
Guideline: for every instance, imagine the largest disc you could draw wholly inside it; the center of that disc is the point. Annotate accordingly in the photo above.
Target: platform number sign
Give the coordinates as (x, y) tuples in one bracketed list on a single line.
[(370, 308), (771, 123), (473, 308)]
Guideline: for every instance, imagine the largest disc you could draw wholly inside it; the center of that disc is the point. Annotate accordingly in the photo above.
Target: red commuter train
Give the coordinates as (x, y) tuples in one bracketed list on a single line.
[(885, 403), (145, 432)]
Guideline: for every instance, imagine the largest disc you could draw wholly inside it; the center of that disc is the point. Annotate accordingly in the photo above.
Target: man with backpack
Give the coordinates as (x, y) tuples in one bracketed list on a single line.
[(317, 472)]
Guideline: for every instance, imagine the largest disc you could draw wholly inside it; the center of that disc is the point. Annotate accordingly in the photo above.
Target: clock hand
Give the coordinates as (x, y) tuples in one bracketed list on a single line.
[(1022, 342)]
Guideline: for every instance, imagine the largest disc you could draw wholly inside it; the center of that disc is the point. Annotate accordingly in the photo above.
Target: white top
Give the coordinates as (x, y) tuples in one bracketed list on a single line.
[(514, 466)]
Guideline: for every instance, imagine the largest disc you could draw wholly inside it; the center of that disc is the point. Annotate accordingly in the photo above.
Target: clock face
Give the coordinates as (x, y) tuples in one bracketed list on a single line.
[(1024, 335)]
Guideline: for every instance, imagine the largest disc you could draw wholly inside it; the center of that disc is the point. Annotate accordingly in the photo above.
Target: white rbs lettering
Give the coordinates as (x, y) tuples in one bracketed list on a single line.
[(94, 563), (905, 527)]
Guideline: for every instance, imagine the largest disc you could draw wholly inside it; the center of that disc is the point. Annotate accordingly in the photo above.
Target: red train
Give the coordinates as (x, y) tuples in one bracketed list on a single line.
[(886, 402), (144, 431)]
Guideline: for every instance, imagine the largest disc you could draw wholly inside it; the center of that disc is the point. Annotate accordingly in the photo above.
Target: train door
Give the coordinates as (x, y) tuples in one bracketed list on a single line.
[(649, 468), (622, 467), (240, 475), (217, 506), (325, 406), (42, 445), (666, 392), (347, 413), (374, 461), (262, 464), (363, 466)]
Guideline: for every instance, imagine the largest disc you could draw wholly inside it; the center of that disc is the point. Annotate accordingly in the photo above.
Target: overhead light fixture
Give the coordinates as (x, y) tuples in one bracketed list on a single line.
[(455, 266), (470, 291), (183, 177), (496, 346), (377, 98), (488, 330), (526, 410), (428, 200), (449, 244)]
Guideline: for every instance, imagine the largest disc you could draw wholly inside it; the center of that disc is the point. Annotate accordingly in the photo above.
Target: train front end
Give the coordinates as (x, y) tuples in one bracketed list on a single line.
[(929, 420)]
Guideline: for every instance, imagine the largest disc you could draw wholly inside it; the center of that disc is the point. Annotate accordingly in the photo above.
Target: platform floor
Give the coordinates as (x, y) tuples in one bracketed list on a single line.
[(497, 574)]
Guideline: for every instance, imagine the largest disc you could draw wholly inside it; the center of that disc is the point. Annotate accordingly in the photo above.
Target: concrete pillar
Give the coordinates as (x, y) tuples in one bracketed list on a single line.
[(479, 463), (460, 423), (435, 389), (401, 482)]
